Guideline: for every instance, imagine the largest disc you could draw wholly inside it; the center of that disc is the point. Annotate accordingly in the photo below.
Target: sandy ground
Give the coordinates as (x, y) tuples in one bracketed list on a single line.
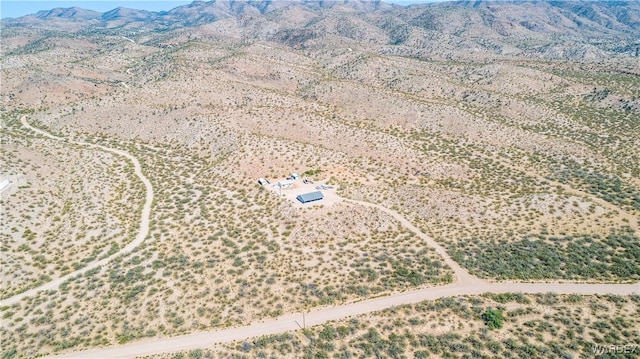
[(464, 284), (142, 233), (294, 321), (14, 182), (299, 187)]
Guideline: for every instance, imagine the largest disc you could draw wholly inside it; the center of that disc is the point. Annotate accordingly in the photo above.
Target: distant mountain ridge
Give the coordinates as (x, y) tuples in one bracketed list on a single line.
[(129, 14), (75, 13), (548, 29)]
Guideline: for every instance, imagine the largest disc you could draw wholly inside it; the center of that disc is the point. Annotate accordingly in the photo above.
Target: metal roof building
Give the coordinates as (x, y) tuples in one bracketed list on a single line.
[(310, 197)]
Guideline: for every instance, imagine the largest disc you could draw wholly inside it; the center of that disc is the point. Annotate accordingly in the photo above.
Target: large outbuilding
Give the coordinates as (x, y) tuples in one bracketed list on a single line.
[(310, 197)]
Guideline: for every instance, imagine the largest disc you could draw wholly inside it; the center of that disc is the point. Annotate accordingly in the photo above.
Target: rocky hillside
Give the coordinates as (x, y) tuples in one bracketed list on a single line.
[(541, 29), (507, 132)]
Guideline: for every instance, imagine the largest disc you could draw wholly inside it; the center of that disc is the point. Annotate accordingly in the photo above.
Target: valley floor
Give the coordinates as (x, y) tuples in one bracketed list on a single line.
[(464, 284)]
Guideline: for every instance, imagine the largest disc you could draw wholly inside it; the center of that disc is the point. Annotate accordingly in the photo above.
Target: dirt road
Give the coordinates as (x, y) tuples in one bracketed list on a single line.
[(462, 275), (464, 284), (291, 322), (142, 232)]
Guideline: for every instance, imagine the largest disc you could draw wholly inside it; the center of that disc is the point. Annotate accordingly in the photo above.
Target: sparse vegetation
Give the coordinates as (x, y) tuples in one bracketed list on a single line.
[(570, 326), (516, 154)]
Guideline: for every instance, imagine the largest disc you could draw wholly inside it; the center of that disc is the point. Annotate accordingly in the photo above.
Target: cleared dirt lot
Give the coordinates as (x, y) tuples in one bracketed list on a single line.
[(299, 187)]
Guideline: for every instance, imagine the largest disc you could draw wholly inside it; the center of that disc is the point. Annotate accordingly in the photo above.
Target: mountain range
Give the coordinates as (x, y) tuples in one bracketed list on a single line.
[(465, 142), (540, 29)]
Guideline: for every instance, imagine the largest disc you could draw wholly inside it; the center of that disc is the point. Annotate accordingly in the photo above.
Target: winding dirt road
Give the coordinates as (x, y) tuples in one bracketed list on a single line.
[(462, 275), (144, 219), (464, 284)]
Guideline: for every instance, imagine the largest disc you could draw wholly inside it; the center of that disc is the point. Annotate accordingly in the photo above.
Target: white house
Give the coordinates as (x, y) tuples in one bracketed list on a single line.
[(284, 184)]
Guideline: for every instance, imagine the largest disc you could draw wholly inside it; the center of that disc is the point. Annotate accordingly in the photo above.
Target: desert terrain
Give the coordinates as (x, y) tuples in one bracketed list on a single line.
[(479, 145), (539, 326)]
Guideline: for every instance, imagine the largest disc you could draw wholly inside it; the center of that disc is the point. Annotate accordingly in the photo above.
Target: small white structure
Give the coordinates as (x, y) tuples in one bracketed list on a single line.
[(262, 181), (284, 184), (295, 176), (4, 184)]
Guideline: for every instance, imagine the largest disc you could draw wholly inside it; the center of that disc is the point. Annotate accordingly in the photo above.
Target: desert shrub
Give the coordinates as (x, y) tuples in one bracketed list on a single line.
[(10, 354), (617, 256), (493, 318), (610, 188)]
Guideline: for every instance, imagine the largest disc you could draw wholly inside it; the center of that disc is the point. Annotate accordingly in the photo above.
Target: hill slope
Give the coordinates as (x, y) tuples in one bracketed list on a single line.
[(505, 132), (551, 30)]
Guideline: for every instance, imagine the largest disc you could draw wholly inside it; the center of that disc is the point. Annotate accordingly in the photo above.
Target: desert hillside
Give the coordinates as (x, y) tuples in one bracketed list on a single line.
[(454, 142)]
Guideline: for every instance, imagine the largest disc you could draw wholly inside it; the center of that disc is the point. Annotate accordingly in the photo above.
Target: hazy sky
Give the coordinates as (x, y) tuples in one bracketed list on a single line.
[(15, 8)]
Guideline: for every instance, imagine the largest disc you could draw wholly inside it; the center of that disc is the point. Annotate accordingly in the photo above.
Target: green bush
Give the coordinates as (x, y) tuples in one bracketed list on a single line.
[(493, 318), (10, 354), (614, 257)]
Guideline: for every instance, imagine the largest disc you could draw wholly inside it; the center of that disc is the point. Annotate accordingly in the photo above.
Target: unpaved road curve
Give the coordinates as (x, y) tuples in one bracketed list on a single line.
[(144, 218), (462, 275), (290, 322), (465, 284)]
